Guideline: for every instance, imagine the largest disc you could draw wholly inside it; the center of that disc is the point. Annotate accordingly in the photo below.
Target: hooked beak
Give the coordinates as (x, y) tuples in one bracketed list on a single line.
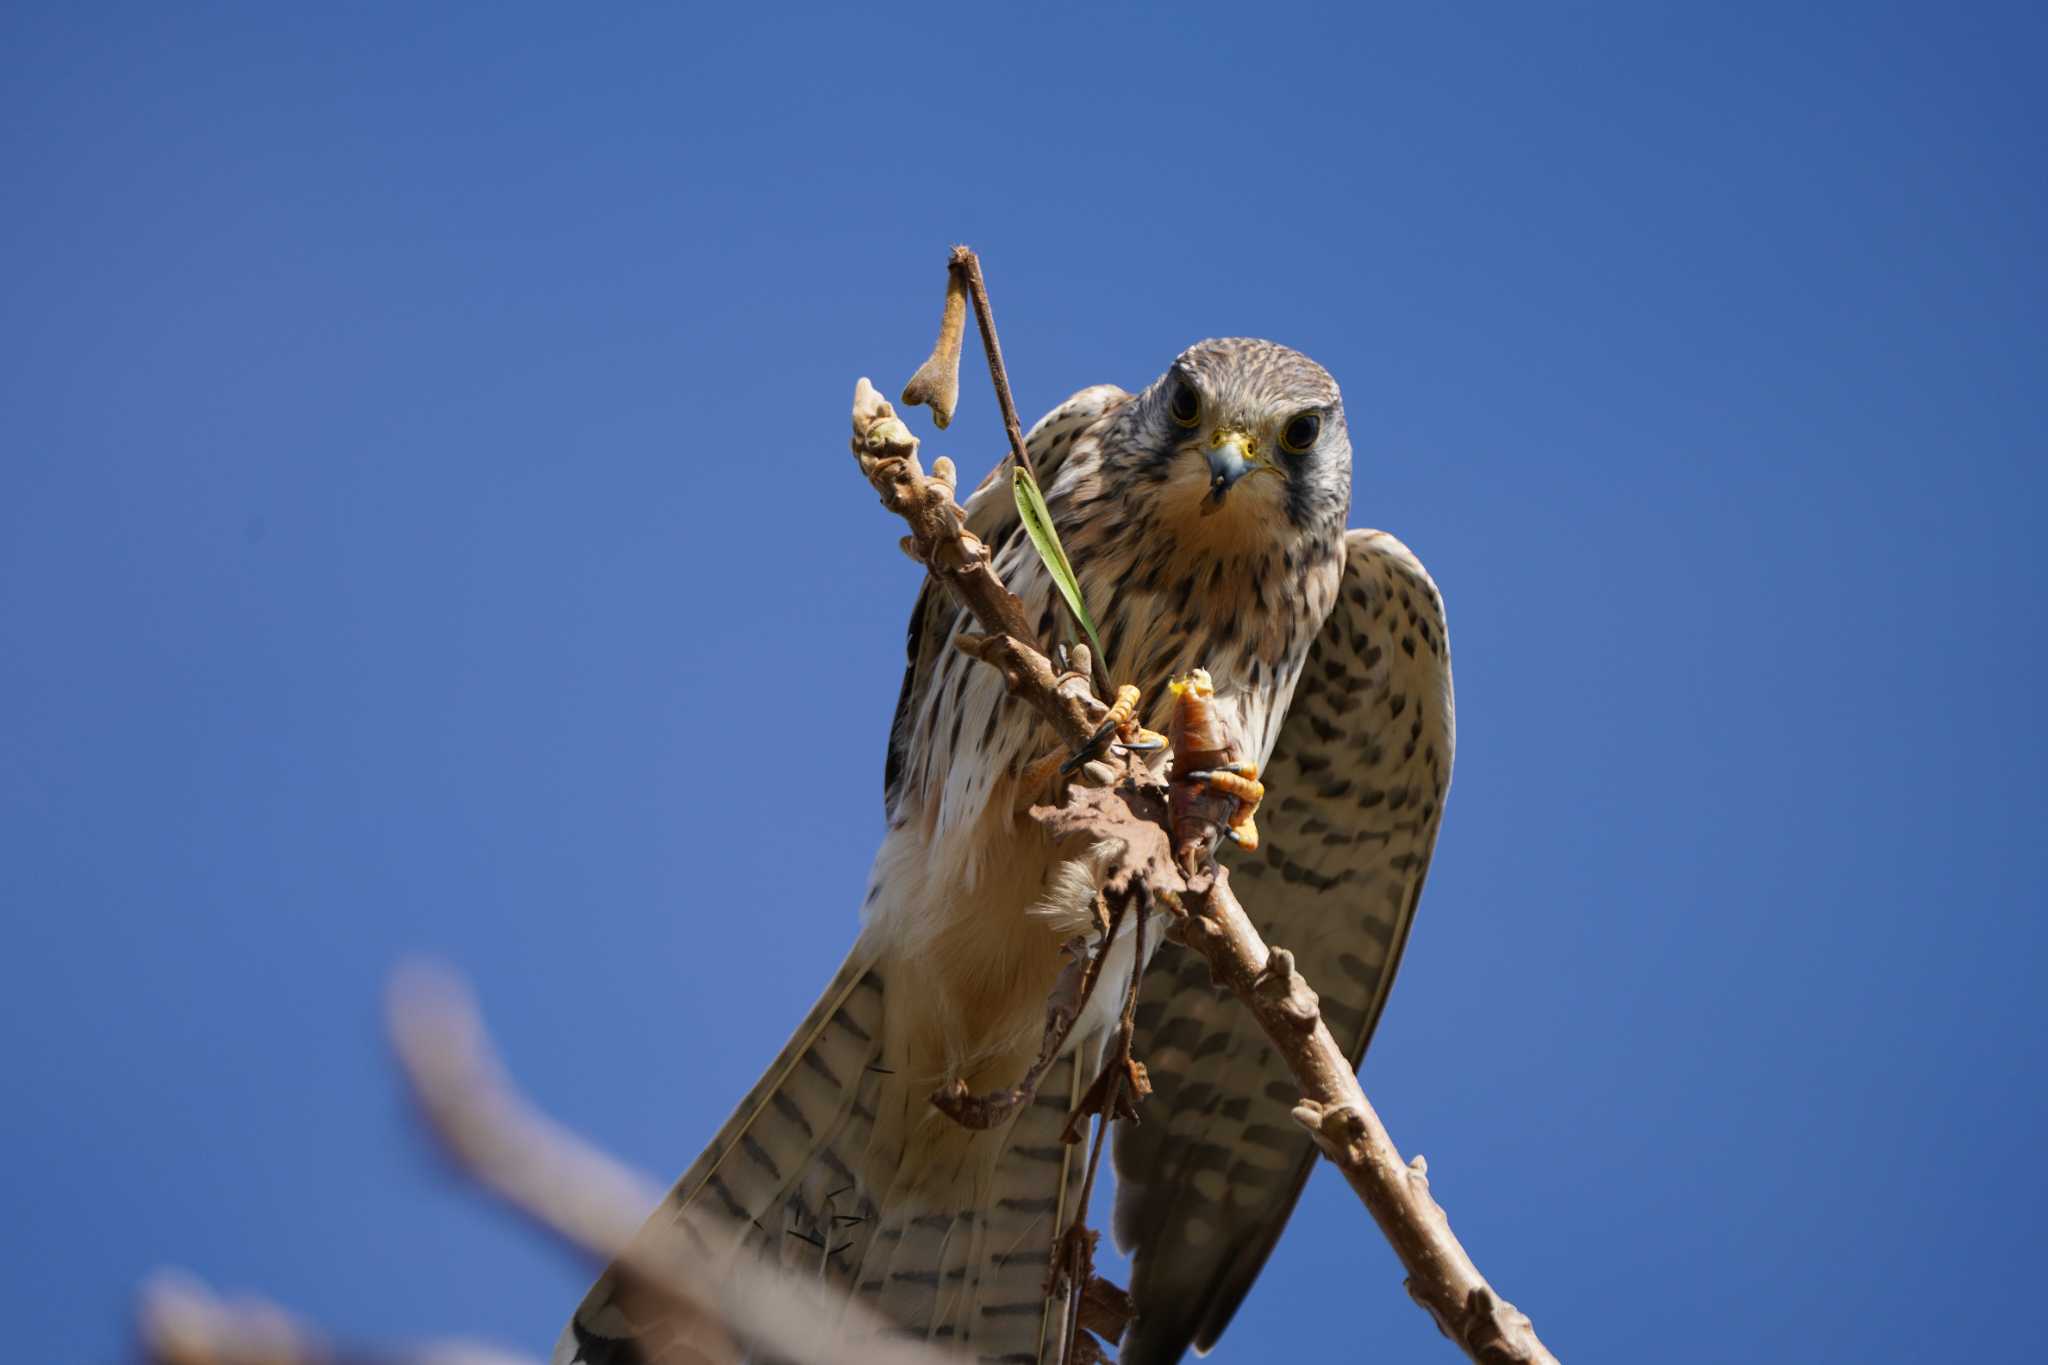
[(1230, 459)]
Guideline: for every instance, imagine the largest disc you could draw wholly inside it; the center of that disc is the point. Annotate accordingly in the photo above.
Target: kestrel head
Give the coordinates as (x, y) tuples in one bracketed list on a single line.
[(1240, 441)]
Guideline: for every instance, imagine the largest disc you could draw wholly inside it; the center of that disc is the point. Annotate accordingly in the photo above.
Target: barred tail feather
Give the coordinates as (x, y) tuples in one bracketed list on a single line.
[(781, 1169), (836, 1166), (962, 1254)]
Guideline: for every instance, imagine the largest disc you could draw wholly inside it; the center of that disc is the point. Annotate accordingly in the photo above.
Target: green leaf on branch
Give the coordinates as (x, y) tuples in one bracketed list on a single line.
[(1038, 525)]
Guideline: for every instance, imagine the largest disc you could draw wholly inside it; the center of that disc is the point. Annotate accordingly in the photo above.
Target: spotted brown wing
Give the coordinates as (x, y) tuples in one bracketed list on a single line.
[(1207, 1178)]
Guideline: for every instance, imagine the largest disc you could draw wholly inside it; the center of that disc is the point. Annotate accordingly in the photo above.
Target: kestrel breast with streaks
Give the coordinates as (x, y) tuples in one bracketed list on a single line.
[(1205, 519)]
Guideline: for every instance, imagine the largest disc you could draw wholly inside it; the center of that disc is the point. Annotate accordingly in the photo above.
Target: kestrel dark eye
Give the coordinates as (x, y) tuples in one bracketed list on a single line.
[(1185, 406), (1300, 433)]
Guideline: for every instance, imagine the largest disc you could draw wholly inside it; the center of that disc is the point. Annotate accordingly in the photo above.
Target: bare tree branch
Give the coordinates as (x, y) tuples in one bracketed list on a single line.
[(1063, 1008), (1347, 1129), (1441, 1276), (940, 540)]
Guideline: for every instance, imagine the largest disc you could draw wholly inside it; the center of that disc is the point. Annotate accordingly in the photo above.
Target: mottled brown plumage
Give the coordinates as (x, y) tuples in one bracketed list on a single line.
[(1357, 780), (1205, 518)]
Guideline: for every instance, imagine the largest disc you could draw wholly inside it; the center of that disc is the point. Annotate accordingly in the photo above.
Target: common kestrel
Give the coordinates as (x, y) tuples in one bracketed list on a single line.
[(1205, 518)]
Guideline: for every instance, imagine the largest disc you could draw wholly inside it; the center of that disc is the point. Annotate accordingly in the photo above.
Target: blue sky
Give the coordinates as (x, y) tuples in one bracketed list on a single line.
[(425, 526)]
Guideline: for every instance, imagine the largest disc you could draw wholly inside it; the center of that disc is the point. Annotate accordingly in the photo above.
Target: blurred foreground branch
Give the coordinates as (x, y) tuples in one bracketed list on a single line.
[(179, 1321), (585, 1198), (567, 1188)]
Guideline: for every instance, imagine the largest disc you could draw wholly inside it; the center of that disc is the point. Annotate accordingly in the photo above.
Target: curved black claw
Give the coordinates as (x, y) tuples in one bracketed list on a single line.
[(1246, 769), (1096, 747)]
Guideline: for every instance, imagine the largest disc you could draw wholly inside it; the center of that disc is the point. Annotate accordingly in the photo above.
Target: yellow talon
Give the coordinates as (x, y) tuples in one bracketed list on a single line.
[(1130, 731), (1122, 709), (1138, 737), (1119, 723)]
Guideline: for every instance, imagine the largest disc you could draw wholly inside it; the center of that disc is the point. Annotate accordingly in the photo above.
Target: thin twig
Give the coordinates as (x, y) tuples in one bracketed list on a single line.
[(965, 266), (1119, 1070), (1063, 1010), (1079, 1245), (968, 265)]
